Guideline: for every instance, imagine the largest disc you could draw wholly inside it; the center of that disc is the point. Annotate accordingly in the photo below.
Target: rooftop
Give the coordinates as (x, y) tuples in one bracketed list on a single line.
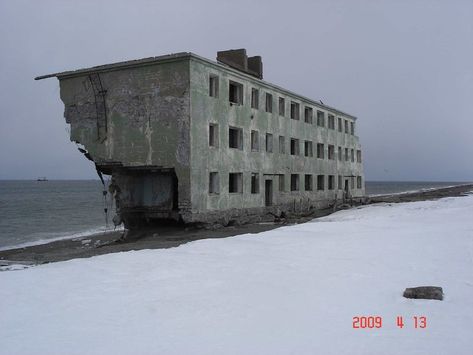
[(180, 56)]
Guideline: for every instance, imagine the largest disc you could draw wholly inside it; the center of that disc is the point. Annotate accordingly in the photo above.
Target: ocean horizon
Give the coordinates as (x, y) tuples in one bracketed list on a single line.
[(36, 212)]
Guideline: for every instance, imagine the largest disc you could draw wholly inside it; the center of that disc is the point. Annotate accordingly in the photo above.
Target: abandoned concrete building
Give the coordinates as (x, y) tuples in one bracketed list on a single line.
[(190, 139)]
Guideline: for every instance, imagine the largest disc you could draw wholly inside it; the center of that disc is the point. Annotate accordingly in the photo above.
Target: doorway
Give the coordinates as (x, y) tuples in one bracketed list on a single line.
[(268, 192), (346, 191)]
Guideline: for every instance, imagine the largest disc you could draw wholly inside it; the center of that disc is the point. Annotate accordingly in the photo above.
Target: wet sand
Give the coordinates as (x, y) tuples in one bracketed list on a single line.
[(174, 235)]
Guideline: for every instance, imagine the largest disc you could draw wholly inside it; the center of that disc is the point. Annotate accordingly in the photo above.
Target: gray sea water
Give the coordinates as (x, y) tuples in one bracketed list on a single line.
[(394, 187), (33, 212)]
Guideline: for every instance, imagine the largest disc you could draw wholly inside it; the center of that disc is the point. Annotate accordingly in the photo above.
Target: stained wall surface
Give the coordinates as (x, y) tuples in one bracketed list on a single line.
[(147, 111), (158, 117), (218, 110)]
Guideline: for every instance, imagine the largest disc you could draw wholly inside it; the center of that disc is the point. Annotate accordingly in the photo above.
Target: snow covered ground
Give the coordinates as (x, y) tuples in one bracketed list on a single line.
[(292, 290)]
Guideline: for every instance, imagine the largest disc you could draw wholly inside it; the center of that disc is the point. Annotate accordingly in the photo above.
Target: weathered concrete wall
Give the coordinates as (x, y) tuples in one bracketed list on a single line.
[(206, 109), (148, 121), (155, 120)]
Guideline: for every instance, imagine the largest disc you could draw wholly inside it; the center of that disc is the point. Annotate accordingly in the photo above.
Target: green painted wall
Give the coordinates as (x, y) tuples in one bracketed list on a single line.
[(159, 115), (206, 109)]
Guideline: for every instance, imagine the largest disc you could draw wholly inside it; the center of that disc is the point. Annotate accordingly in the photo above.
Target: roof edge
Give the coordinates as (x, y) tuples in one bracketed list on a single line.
[(117, 65), (179, 56)]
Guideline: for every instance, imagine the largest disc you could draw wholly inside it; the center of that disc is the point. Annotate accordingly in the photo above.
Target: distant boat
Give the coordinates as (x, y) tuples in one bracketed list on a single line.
[(42, 179)]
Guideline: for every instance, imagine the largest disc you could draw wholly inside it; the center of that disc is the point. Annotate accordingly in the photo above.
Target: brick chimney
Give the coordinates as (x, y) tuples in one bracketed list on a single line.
[(237, 59)]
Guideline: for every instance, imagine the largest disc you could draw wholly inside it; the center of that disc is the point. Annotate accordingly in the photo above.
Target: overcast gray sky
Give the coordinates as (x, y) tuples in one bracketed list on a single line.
[(404, 68)]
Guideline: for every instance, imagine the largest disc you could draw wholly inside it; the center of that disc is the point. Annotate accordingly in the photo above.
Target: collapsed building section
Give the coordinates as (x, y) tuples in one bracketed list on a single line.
[(188, 139)]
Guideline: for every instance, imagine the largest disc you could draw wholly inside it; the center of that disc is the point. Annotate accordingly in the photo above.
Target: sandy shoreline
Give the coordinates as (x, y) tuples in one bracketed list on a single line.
[(172, 236)]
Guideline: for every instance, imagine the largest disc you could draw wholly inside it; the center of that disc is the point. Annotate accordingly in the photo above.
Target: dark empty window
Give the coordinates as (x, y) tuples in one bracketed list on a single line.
[(294, 110), (346, 126), (331, 182), (353, 155), (308, 152), (308, 113), (235, 138), (352, 127), (294, 182), (235, 93), (213, 183), (331, 121), (340, 184), (235, 182), (358, 156), (331, 152), (254, 98), (308, 182), (282, 145), (213, 135), (269, 102), (282, 185), (213, 85), (269, 142), (340, 155), (254, 141), (320, 150), (254, 183), (321, 118), (346, 154), (340, 128), (282, 107), (294, 146), (320, 182), (358, 182)]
